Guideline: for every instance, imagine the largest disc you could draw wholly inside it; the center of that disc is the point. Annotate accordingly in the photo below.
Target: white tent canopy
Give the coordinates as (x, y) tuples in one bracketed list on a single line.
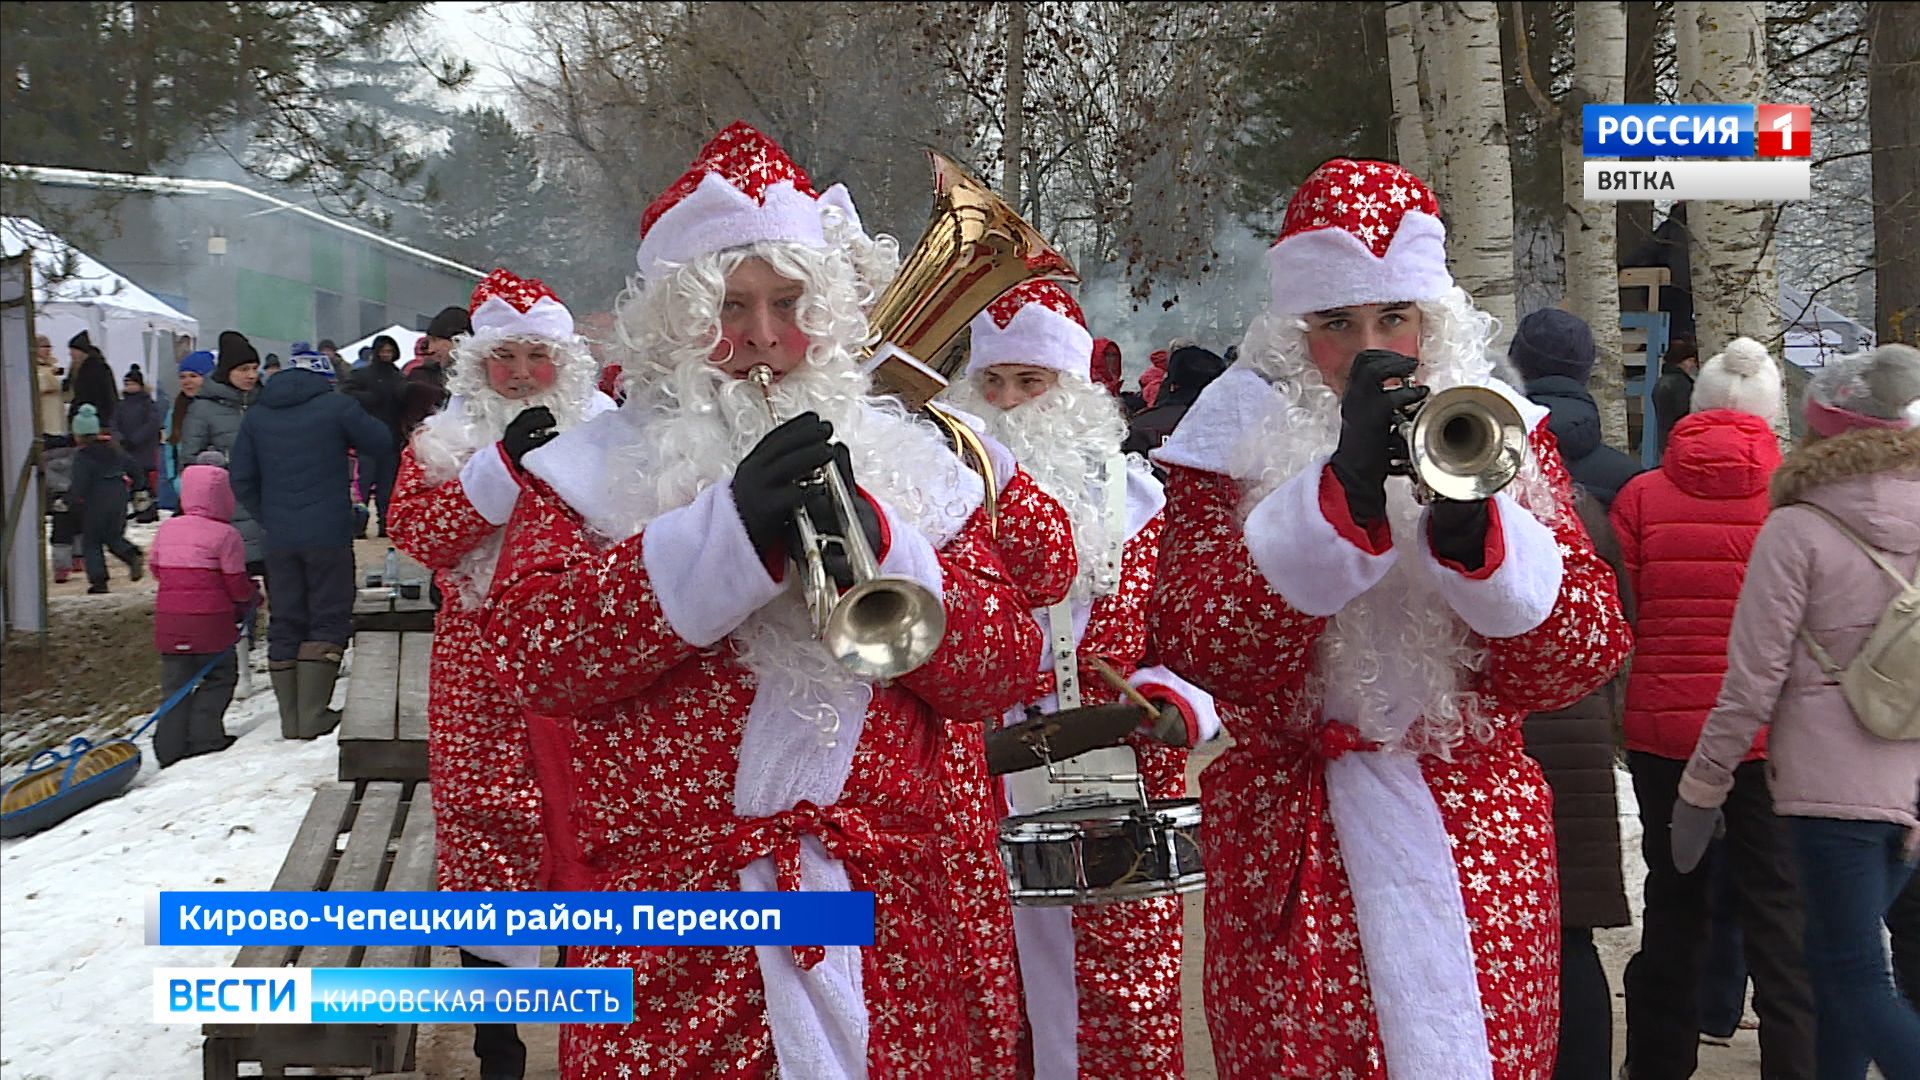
[(73, 291), (402, 336)]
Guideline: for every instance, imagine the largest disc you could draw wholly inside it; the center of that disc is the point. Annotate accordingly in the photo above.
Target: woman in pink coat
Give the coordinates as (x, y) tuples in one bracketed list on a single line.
[(200, 564), (1847, 796)]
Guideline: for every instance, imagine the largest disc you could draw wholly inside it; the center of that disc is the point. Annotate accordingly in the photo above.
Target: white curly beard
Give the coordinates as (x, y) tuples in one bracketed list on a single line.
[(476, 417), (1395, 657), (1064, 439)]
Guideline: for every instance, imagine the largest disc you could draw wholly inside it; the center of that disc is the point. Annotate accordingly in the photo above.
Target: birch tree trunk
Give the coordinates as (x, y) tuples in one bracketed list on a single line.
[(1403, 66), (1592, 253), (1735, 290), (1480, 174), (1013, 105), (1435, 77)]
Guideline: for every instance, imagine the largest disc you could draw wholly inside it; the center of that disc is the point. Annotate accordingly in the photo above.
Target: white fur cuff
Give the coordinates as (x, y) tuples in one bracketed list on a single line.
[(1203, 717), (1315, 569), (490, 485), (1520, 592), (910, 554), (705, 572)]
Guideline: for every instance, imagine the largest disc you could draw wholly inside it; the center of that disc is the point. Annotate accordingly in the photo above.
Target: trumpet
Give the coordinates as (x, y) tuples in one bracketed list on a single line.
[(1463, 443), (883, 626)]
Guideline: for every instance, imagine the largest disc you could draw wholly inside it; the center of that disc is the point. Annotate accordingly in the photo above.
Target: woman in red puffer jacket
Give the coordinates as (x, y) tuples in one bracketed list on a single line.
[(1686, 530)]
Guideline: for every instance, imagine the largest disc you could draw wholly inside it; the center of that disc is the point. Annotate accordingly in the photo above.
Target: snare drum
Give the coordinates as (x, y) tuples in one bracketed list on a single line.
[(1088, 855)]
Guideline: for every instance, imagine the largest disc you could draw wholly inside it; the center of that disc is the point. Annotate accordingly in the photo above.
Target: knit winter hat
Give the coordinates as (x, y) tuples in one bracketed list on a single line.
[(450, 323), (200, 362), (80, 341), (134, 376), (741, 189), (308, 358), (1875, 389), (86, 421), (1034, 323), (1358, 232), (1190, 369), (1553, 342), (235, 351), (1743, 378)]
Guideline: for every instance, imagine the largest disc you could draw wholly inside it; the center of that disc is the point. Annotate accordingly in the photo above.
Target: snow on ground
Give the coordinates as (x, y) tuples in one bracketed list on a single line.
[(75, 972)]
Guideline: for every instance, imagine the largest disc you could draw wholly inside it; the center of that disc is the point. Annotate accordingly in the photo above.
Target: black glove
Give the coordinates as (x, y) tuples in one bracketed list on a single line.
[(533, 428), (1460, 531), (1369, 446), (767, 484), (819, 506), (1170, 727)]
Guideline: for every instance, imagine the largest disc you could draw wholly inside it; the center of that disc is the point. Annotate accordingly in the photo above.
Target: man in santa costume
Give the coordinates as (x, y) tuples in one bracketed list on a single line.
[(1381, 894), (1101, 984), (644, 595), (520, 377)]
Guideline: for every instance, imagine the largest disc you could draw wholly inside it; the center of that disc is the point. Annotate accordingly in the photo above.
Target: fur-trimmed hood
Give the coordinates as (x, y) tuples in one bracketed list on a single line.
[(1868, 478)]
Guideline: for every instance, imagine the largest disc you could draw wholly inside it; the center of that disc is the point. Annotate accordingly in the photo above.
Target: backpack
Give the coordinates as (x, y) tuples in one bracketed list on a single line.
[(1882, 683)]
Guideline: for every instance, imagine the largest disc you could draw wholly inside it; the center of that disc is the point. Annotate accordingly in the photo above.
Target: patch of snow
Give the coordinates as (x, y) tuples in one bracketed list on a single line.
[(75, 971)]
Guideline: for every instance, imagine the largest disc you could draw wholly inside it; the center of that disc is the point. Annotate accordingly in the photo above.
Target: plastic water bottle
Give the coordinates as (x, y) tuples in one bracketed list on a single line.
[(392, 576)]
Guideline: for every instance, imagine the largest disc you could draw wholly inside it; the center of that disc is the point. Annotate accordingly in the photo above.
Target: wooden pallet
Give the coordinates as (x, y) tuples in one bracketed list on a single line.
[(356, 837), (383, 733)]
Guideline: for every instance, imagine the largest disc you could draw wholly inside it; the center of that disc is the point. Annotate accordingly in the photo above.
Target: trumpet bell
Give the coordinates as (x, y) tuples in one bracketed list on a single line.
[(1467, 443), (884, 627)]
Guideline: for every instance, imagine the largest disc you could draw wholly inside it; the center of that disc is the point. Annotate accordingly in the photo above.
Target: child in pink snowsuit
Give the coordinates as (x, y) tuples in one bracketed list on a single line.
[(200, 563)]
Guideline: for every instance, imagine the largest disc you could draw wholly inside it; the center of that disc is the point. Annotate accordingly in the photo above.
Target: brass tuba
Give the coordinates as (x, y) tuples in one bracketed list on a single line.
[(974, 249)]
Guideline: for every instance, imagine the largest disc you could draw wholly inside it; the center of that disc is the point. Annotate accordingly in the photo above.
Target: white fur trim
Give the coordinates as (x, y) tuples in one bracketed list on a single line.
[(1145, 498), (1521, 591), (547, 318), (1036, 335), (1206, 715), (705, 572), (517, 956), (1217, 420), (911, 555), (1412, 920), (573, 463), (1043, 938), (716, 216), (819, 1017), (490, 485), (1331, 268), (1310, 565)]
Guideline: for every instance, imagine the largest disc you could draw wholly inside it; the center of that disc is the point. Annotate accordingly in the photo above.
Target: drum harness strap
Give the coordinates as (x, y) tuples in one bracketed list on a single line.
[(1066, 651)]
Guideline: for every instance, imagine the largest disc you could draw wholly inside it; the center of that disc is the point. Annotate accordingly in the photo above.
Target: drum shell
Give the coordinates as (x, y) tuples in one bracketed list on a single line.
[(1091, 855)]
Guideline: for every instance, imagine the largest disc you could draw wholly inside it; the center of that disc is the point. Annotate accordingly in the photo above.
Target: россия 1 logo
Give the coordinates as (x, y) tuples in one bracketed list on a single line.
[(1697, 151)]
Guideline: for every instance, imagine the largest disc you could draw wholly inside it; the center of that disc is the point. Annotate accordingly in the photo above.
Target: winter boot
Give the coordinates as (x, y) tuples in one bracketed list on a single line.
[(319, 666), (62, 563), (136, 565), (286, 693)]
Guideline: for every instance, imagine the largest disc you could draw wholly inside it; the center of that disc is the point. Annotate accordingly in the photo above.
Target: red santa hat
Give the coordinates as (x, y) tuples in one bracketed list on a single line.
[(1034, 323), (741, 189), (506, 304), (1358, 232)]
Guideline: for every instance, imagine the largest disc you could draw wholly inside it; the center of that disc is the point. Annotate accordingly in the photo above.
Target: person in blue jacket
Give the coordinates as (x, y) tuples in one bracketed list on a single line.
[(289, 467)]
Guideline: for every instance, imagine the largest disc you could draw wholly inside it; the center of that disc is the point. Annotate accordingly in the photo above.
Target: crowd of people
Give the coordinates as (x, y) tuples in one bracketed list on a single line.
[(1413, 830)]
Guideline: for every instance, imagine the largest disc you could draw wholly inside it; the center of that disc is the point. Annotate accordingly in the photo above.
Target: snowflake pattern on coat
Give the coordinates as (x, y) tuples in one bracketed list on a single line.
[(486, 801), (656, 728), (1286, 986)]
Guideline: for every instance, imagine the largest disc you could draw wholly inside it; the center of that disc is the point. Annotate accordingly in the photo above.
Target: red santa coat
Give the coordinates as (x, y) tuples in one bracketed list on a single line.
[(671, 733), (1102, 984), (1370, 912), (1035, 542), (486, 802)]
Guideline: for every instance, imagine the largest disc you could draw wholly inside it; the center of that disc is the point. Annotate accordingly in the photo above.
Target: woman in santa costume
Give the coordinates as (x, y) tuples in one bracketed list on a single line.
[(644, 594), (1381, 894), (1101, 984), (518, 379)]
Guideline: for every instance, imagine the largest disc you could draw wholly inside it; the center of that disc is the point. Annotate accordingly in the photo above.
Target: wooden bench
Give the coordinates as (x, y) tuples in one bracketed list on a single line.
[(384, 607), (356, 837), (383, 733)]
